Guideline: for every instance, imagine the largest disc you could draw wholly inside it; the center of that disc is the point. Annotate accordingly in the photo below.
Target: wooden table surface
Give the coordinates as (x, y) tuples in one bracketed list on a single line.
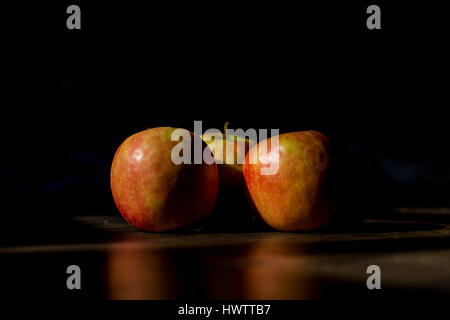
[(411, 246)]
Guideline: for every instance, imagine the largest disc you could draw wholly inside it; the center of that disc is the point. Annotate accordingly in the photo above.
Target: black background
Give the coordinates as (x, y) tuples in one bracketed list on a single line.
[(70, 97)]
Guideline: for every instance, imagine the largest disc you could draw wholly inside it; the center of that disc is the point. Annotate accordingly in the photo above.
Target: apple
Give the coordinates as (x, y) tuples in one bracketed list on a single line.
[(229, 152), (152, 192), (298, 197)]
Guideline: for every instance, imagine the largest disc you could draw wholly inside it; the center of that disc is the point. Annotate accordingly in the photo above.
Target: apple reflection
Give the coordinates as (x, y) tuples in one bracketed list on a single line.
[(136, 274), (275, 270), (274, 267)]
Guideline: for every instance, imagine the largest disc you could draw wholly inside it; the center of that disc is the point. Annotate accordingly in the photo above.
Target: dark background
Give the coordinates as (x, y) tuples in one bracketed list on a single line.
[(70, 97)]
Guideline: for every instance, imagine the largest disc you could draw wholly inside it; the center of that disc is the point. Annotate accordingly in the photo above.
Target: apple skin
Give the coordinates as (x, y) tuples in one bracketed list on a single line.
[(154, 194), (229, 153), (299, 196)]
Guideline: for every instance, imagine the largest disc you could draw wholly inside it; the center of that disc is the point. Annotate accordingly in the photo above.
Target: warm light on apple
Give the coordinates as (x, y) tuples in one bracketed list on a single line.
[(299, 196), (155, 194)]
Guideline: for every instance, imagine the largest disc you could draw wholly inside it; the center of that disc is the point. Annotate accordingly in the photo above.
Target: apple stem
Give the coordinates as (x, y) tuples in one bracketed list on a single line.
[(225, 127)]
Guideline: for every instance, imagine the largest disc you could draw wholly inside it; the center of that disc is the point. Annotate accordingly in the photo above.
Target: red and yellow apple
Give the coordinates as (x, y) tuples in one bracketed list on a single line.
[(229, 153), (298, 196), (152, 192), (229, 150)]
